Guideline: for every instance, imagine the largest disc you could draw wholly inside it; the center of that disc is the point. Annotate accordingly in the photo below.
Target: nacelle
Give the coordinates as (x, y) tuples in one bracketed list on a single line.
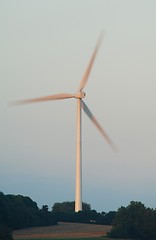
[(80, 95)]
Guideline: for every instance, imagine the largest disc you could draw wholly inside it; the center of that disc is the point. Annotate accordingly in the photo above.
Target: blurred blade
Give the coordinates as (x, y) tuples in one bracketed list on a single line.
[(93, 119), (86, 75), (42, 99)]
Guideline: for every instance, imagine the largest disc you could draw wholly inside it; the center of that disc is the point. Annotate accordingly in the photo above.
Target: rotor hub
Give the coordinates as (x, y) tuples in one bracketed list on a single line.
[(80, 95)]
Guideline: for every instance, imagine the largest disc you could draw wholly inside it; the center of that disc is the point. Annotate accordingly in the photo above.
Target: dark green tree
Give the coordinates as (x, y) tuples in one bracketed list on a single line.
[(23, 212), (65, 212), (68, 207), (3, 209), (5, 233), (134, 221), (17, 211), (105, 218), (47, 217)]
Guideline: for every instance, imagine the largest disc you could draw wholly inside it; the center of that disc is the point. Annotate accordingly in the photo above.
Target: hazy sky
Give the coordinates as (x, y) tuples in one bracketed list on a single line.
[(45, 48)]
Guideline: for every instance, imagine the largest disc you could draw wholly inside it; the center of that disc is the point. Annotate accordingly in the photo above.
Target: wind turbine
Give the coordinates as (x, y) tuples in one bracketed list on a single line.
[(79, 95)]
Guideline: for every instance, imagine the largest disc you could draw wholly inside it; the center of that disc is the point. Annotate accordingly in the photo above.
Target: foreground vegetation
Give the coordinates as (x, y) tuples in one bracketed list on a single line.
[(132, 222)]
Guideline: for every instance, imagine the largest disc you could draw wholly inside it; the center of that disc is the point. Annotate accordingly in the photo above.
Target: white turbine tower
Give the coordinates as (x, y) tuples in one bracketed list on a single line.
[(79, 95)]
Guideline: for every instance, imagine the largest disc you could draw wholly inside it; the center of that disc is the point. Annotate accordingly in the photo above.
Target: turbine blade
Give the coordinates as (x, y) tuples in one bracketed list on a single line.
[(88, 70), (42, 99), (93, 119)]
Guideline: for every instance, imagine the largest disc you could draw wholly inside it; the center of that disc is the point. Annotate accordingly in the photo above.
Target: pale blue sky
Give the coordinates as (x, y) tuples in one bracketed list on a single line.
[(45, 48)]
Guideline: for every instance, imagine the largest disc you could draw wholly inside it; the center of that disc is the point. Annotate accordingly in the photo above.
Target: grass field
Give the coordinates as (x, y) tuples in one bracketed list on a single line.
[(95, 238), (63, 230), (91, 238)]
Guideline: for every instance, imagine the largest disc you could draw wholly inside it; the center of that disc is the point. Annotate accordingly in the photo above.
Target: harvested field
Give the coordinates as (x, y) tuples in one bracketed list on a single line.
[(63, 230)]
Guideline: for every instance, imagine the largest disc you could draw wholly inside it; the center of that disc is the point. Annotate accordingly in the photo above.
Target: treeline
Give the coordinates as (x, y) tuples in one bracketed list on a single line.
[(65, 212), (17, 211)]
